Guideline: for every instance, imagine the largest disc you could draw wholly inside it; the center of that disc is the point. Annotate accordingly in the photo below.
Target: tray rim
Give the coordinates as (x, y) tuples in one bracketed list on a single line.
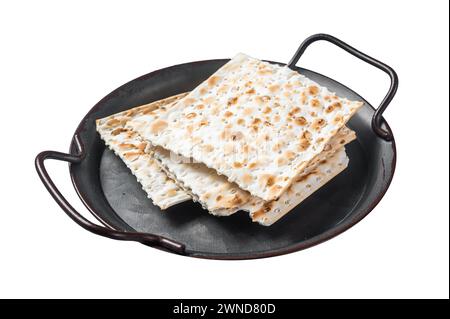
[(313, 241)]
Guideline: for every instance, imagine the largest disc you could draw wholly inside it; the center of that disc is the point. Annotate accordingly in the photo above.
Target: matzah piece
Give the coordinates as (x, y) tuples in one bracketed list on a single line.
[(129, 146), (214, 192), (192, 180), (267, 213), (257, 123)]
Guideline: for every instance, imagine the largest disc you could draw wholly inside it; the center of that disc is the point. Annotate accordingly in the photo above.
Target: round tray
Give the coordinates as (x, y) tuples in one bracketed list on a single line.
[(113, 196)]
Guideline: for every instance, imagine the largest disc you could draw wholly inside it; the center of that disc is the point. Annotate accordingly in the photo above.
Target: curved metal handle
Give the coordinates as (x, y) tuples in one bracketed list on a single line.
[(377, 117), (148, 239)]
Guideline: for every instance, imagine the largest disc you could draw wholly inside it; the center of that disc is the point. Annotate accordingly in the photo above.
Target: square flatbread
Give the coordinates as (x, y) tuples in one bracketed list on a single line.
[(222, 198), (129, 146), (214, 192), (267, 213), (257, 123), (217, 195)]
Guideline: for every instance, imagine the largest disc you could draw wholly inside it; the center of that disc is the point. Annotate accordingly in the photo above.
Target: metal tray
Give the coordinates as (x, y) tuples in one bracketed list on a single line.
[(112, 195)]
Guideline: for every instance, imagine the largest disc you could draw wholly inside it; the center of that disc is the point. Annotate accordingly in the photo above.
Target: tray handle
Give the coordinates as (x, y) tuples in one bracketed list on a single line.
[(145, 238), (377, 118)]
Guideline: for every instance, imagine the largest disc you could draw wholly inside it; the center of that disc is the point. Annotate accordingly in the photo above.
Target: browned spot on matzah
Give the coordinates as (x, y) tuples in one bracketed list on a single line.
[(171, 192), (262, 99), (267, 180), (313, 90), (148, 111), (232, 101), (126, 145), (303, 98), (236, 201), (304, 144), (247, 178), (275, 189), (274, 88), (256, 121), (207, 148), (189, 129), (203, 123), (213, 80), (113, 122), (288, 86), (267, 207), (301, 121), (252, 165), (307, 134), (318, 124), (206, 196), (228, 114), (264, 71), (224, 134), (315, 103), (131, 112), (289, 155), (332, 107), (188, 101), (267, 110), (294, 111), (203, 90), (281, 161), (208, 100), (338, 119), (117, 131), (157, 126), (191, 115), (141, 147), (259, 213), (236, 136), (277, 146), (223, 89)]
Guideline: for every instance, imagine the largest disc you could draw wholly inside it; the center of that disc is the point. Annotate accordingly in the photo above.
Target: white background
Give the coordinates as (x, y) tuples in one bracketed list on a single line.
[(57, 60)]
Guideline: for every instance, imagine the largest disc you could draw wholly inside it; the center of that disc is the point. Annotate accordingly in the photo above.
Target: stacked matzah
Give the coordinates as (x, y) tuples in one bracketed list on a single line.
[(254, 136)]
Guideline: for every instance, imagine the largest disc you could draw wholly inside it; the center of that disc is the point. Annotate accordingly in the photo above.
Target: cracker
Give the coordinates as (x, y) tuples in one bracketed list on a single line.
[(129, 146), (257, 123), (214, 192), (267, 213)]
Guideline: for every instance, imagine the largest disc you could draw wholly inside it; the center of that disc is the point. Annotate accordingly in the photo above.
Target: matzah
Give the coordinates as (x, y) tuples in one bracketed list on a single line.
[(257, 123), (214, 192), (267, 213), (129, 146)]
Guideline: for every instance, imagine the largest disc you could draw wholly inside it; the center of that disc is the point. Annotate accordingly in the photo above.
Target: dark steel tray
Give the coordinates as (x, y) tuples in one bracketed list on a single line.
[(112, 195)]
